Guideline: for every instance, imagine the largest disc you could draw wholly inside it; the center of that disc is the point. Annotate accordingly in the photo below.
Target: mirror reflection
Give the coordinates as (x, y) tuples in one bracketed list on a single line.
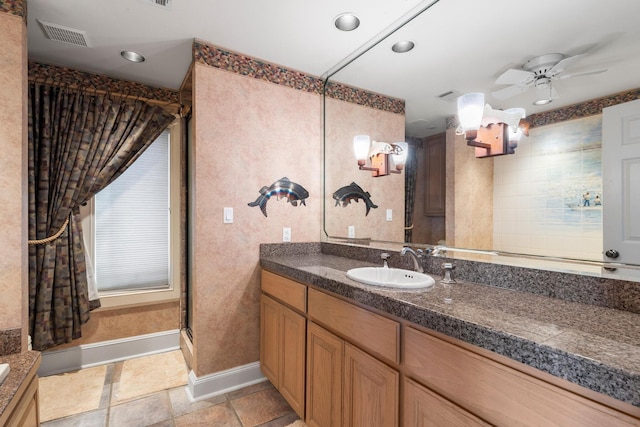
[(550, 195)]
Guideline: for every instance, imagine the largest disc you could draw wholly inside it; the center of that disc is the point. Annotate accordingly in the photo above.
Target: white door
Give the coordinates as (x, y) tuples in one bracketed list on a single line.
[(621, 182)]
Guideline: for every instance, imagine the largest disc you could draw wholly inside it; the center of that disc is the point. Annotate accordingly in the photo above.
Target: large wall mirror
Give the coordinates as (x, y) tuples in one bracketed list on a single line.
[(546, 204)]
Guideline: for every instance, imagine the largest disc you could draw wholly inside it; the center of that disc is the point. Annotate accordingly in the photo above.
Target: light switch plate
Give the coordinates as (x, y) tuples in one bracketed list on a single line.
[(389, 214), (351, 231), (227, 217)]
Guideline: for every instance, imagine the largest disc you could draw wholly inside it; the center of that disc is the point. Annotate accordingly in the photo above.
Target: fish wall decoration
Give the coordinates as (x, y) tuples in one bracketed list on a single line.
[(351, 192), (282, 188)]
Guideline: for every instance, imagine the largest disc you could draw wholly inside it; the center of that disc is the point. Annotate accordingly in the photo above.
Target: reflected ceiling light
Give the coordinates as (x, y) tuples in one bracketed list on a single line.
[(347, 22), (491, 132), (379, 153), (403, 46), (132, 56)]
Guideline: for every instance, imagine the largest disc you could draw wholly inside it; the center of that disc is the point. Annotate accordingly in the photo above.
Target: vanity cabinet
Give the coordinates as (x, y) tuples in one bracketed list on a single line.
[(339, 364), (466, 382), (424, 408), (23, 408), (283, 338), (346, 384)]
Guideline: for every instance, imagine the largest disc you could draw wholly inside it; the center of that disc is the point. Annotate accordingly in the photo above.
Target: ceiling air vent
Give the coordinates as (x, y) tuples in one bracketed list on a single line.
[(165, 4), (449, 96), (65, 34)]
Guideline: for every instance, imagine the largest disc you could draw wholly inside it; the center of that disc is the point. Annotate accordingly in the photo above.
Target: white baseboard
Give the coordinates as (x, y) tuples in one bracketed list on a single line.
[(101, 353), (223, 382)]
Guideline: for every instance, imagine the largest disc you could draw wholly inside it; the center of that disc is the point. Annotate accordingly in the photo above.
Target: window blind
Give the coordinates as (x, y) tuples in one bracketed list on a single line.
[(132, 224)]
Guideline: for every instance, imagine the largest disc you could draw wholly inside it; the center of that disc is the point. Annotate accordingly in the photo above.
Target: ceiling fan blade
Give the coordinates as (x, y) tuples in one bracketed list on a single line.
[(509, 91), (515, 77), (584, 73), (564, 63)]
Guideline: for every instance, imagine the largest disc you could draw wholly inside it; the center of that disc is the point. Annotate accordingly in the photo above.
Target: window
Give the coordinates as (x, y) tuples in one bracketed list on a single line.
[(131, 231), (131, 234)]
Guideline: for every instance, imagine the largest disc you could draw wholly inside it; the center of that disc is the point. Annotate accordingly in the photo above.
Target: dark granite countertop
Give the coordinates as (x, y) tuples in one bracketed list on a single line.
[(594, 347), (20, 365)]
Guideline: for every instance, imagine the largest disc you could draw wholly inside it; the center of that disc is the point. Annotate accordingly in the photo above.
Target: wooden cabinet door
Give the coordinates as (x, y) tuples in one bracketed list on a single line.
[(435, 175), (424, 408), (371, 391), (269, 339), (292, 359), (324, 377)]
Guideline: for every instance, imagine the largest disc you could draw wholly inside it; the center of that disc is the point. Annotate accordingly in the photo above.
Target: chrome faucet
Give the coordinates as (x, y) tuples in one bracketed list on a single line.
[(416, 257), (385, 256)]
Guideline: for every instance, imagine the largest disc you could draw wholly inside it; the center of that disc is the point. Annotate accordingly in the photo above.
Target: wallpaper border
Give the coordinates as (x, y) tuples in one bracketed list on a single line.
[(213, 56)]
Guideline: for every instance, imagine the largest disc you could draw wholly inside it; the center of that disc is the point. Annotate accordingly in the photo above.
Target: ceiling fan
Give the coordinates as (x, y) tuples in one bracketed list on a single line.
[(539, 73)]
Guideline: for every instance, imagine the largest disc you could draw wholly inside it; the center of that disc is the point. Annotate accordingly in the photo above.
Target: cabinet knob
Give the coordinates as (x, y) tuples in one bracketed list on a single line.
[(612, 253)]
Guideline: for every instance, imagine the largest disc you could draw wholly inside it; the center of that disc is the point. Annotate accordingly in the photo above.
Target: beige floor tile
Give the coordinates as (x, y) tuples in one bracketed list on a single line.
[(86, 419), (264, 385), (261, 407), (150, 374), (86, 387), (147, 411), (220, 416), (286, 421), (298, 423), (181, 404)]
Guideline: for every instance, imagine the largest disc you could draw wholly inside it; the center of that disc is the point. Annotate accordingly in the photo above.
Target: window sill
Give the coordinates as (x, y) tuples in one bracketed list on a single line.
[(137, 299)]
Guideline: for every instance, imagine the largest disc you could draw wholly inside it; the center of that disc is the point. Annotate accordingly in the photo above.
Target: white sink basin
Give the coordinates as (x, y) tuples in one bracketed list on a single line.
[(4, 371), (391, 277)]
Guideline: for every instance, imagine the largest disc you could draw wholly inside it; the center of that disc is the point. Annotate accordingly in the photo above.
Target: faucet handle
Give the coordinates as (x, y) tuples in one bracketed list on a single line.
[(448, 273), (385, 256)]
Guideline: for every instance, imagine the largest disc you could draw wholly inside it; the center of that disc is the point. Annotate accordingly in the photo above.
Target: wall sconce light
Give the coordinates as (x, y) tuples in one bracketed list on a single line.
[(379, 153), (488, 130)]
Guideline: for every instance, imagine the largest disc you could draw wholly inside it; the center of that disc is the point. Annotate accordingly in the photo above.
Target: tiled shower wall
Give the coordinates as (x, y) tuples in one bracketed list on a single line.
[(539, 193)]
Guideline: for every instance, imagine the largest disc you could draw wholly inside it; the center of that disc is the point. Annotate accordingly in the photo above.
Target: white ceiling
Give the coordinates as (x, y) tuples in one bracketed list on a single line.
[(461, 45)]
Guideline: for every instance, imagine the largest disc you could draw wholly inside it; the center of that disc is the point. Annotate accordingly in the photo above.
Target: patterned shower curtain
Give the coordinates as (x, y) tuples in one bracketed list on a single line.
[(78, 144), (411, 169)]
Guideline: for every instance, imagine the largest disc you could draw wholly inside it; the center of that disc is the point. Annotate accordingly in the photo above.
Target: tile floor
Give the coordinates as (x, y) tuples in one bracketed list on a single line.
[(150, 391)]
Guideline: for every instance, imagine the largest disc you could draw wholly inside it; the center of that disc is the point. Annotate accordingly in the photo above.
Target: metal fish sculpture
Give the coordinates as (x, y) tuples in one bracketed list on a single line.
[(282, 188), (353, 192)]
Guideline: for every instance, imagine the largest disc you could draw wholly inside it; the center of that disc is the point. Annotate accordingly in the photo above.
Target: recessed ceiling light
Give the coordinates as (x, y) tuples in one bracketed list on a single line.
[(347, 22), (132, 56), (542, 102), (403, 46)]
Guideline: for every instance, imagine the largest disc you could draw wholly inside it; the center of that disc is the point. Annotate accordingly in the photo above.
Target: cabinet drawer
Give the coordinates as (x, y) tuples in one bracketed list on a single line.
[(366, 329), (285, 290), (497, 393), (423, 408)]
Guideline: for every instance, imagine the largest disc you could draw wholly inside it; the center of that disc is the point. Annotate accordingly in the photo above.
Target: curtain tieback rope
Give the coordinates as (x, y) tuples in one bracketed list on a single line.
[(52, 237)]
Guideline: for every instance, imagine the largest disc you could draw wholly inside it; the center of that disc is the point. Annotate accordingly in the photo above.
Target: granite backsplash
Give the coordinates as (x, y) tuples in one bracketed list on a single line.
[(598, 291)]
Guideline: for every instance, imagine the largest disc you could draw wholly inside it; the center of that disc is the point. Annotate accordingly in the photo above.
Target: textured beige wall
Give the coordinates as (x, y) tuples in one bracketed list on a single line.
[(469, 199), (344, 121), (13, 174), (248, 133), (106, 325)]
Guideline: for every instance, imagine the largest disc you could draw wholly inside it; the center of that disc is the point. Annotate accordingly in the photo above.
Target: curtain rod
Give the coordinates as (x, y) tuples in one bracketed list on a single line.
[(172, 107)]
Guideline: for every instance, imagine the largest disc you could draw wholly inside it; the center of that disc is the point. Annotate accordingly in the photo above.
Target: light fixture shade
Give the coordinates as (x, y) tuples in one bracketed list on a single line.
[(361, 145), (401, 158), (515, 133), (470, 109)]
